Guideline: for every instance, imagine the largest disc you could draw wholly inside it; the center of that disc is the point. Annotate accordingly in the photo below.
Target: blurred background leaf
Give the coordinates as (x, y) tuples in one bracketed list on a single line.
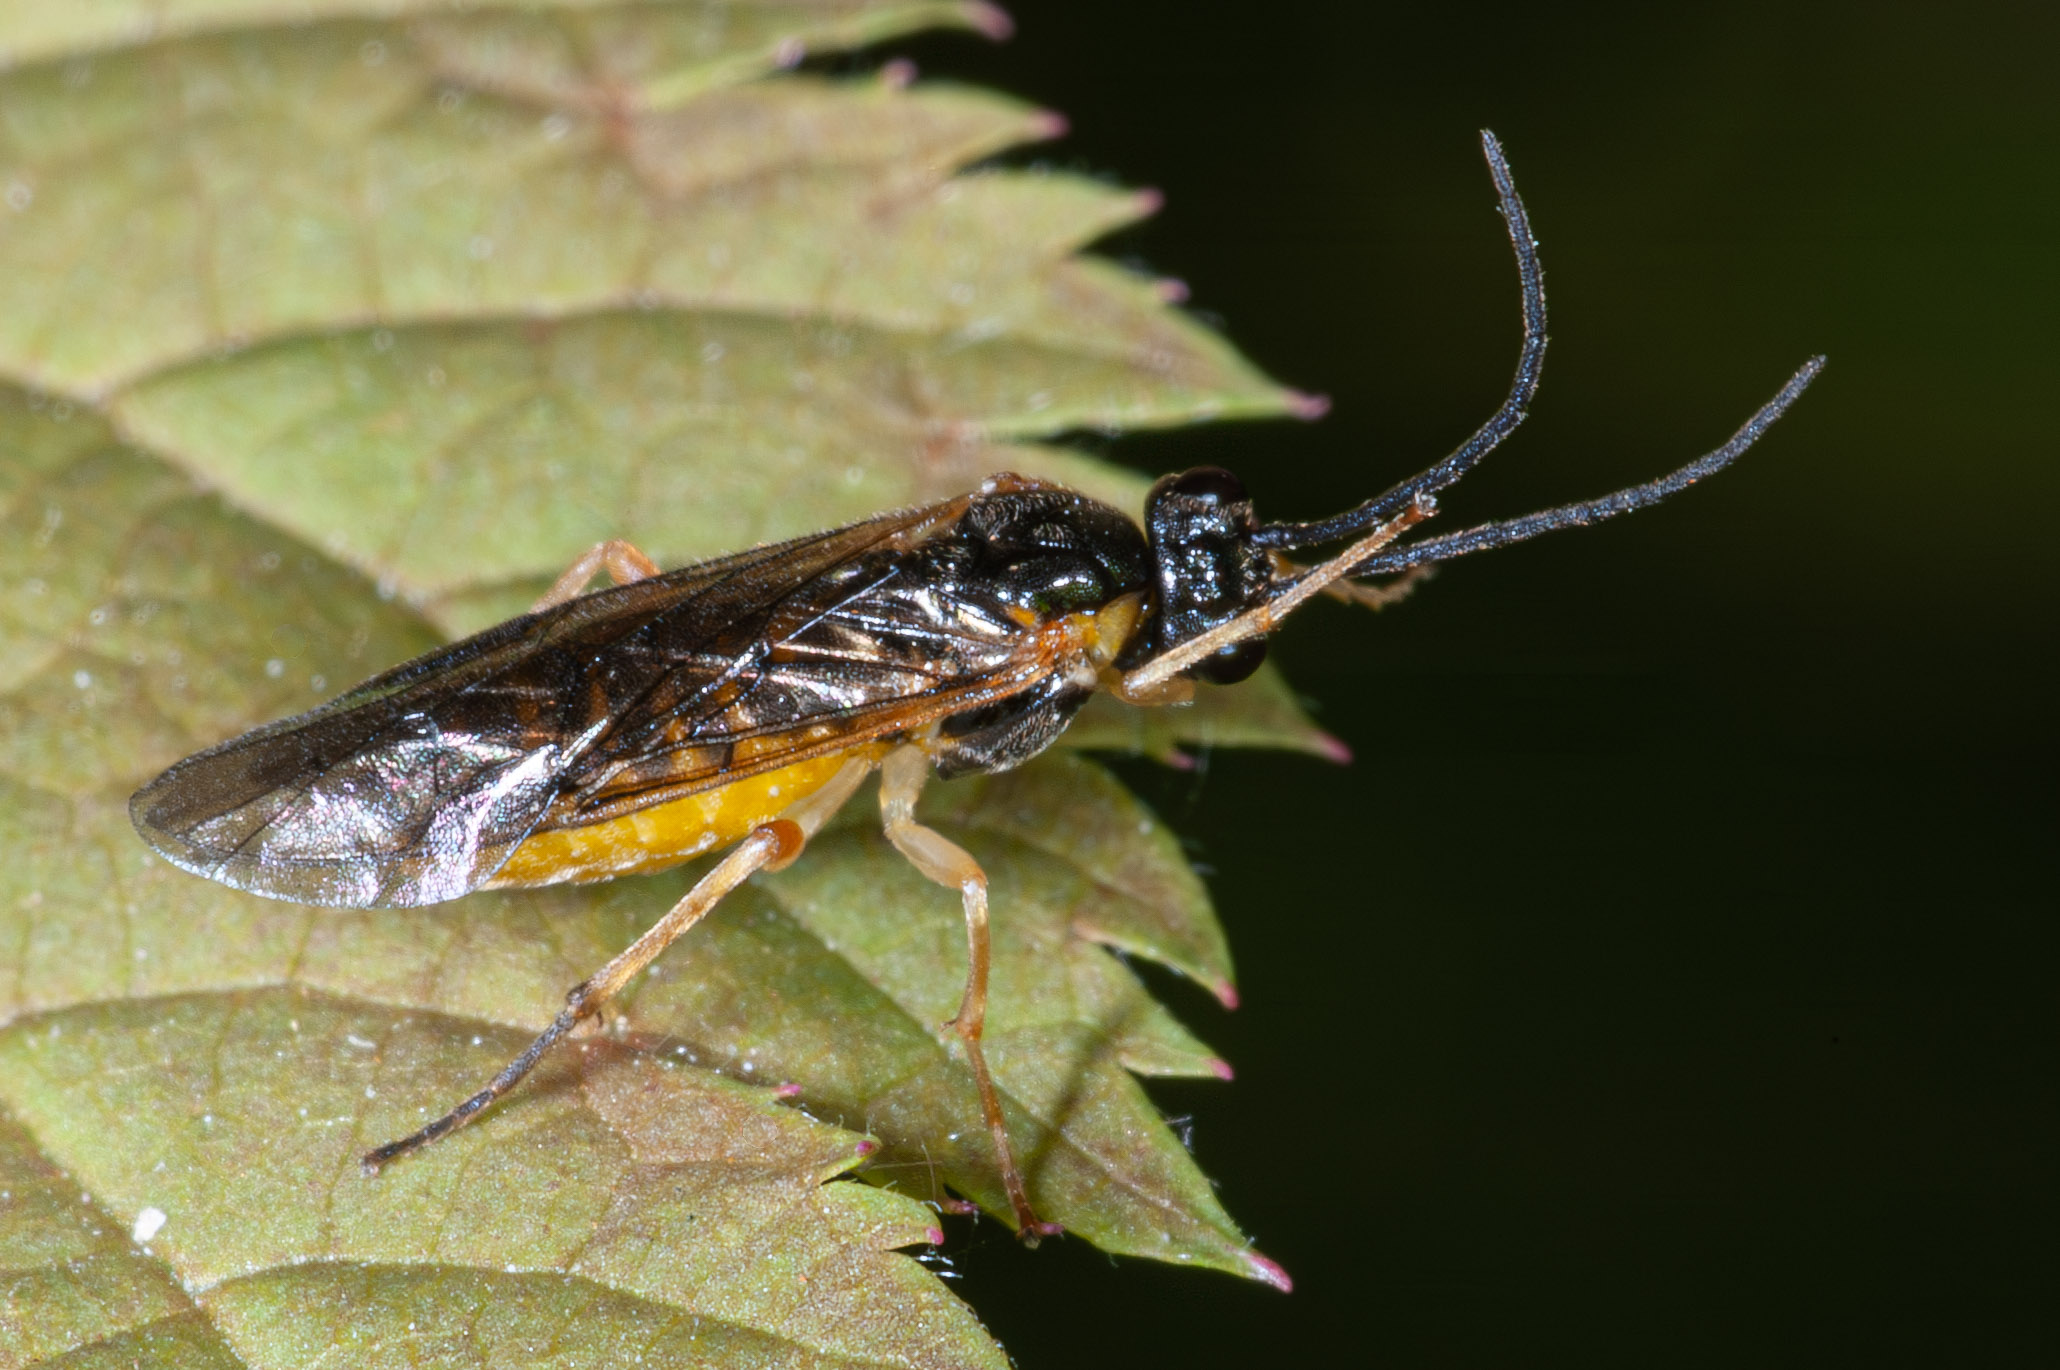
[(324, 339)]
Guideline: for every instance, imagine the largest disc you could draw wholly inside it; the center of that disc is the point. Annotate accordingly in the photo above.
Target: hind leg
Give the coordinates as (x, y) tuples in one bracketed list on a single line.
[(767, 848)]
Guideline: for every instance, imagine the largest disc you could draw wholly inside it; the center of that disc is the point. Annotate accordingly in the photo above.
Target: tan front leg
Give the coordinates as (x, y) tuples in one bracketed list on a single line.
[(625, 565), (1380, 596), (902, 777)]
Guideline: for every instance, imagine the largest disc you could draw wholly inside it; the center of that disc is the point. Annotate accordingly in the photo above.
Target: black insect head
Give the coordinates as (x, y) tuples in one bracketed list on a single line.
[(1206, 568)]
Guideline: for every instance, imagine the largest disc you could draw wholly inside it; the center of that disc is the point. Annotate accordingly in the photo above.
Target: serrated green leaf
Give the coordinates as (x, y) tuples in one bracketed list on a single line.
[(789, 280), (456, 453), (226, 1127), (592, 54), (333, 326), (148, 1060), (688, 43)]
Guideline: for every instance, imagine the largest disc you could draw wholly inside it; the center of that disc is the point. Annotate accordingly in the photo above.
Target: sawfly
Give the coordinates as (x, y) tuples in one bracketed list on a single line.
[(739, 702)]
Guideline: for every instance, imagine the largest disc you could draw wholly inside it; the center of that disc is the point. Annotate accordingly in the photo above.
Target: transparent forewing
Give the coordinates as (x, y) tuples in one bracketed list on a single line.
[(358, 808), (416, 786)]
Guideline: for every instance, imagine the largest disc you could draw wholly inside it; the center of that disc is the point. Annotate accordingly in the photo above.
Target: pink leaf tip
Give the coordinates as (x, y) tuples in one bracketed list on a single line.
[(790, 1090), (990, 20), (1220, 1068), (1269, 1272), (935, 1236), (1049, 123), (1306, 406), (898, 74), (1171, 289), (1333, 750), (866, 1146), (1226, 994)]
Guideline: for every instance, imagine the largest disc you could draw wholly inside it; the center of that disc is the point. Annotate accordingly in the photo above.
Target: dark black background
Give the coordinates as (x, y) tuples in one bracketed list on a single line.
[(1670, 981)]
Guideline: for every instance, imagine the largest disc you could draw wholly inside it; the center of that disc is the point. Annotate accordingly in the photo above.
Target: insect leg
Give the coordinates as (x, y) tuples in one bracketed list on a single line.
[(1370, 596), (768, 847), (902, 777), (625, 564)]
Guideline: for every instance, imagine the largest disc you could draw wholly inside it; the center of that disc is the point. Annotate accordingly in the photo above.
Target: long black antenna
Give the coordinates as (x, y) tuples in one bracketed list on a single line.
[(1530, 363), (1487, 535)]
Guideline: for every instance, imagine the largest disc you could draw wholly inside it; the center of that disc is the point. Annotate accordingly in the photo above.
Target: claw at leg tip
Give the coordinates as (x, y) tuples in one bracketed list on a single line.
[(1036, 1230)]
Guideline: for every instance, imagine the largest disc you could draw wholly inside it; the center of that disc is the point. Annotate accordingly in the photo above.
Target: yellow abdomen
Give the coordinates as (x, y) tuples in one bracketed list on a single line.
[(669, 833)]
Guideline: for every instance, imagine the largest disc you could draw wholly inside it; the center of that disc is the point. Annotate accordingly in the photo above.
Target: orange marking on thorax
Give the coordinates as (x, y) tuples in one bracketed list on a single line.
[(666, 834)]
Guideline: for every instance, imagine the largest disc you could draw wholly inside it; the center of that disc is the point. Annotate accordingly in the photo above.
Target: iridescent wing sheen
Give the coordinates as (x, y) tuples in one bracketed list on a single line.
[(416, 786)]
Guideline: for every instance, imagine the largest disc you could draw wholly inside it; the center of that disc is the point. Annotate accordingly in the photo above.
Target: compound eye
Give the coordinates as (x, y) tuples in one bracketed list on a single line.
[(1233, 663), (1211, 483)]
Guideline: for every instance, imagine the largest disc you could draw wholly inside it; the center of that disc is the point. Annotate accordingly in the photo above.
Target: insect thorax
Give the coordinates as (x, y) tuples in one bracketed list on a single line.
[(1047, 556)]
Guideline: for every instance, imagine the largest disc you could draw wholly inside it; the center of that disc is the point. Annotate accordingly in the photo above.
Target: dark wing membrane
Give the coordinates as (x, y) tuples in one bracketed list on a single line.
[(877, 646), (416, 786)]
